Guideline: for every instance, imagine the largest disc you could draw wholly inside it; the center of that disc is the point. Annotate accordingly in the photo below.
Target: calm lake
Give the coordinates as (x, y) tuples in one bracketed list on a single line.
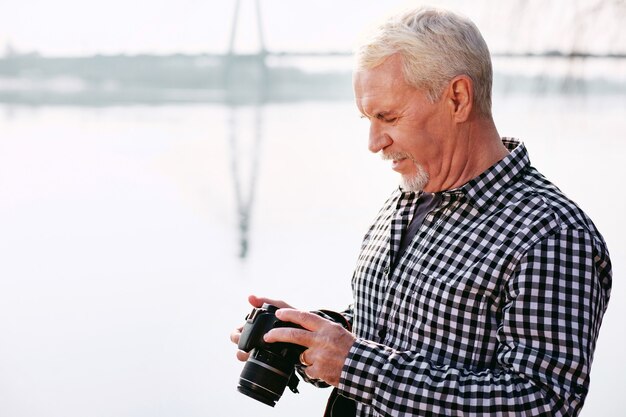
[(130, 237)]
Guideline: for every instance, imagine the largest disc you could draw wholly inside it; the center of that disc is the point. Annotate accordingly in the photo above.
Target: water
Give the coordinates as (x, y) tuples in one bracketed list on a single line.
[(122, 231)]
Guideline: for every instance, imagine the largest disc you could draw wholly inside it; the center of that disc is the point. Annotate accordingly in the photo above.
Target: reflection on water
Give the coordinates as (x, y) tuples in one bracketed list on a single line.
[(131, 236), (244, 180)]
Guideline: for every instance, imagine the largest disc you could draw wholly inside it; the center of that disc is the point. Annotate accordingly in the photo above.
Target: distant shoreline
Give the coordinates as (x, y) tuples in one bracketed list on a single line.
[(31, 79)]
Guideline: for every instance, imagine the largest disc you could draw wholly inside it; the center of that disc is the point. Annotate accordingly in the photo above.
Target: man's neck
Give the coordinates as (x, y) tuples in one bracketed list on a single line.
[(478, 147)]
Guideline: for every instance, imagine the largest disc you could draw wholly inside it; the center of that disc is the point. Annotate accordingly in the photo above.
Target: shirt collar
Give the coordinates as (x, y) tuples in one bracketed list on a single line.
[(484, 187)]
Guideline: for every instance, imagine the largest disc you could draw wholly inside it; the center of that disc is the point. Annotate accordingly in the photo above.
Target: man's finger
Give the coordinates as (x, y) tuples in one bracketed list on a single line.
[(259, 301), (290, 335), (305, 319), (242, 356), (235, 335)]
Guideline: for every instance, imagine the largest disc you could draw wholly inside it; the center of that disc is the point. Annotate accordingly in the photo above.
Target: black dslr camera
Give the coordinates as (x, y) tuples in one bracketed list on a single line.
[(270, 367)]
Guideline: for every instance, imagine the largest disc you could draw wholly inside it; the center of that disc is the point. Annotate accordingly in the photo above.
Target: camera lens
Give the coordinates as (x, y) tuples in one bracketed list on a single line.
[(265, 376)]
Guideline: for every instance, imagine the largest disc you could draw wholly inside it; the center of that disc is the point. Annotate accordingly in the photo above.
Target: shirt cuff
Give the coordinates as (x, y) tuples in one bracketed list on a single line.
[(361, 370)]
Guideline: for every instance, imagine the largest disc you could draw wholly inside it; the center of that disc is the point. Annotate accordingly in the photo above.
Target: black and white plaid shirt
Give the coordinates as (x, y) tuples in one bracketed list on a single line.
[(493, 309)]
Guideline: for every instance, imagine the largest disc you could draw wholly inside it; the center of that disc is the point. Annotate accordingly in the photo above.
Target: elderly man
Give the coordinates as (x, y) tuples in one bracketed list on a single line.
[(480, 288)]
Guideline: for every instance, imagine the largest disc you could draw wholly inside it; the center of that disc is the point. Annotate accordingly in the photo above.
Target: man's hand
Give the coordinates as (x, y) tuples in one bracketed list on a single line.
[(256, 302), (328, 343)]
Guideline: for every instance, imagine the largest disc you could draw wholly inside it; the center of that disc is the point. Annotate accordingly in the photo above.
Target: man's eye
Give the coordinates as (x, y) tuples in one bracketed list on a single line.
[(386, 118)]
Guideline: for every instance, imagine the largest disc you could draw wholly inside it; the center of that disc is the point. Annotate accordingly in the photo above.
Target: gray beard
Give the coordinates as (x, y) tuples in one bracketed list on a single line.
[(415, 183)]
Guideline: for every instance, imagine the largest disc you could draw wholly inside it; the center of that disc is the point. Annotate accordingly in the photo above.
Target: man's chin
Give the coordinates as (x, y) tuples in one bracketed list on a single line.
[(414, 183)]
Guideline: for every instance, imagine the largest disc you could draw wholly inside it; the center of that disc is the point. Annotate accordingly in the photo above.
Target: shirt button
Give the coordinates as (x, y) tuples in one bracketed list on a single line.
[(382, 333), (386, 270)]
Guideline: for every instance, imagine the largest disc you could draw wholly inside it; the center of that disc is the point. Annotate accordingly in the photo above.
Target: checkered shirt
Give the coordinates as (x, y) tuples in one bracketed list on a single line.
[(493, 309)]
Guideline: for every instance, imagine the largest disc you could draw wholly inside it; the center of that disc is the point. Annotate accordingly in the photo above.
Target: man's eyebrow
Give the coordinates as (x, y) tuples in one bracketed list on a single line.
[(377, 115)]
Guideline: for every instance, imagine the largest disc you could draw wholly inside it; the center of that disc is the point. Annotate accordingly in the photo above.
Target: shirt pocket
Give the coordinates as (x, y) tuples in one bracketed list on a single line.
[(449, 321)]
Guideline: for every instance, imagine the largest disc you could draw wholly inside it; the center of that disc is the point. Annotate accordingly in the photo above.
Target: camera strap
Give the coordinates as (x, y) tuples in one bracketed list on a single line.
[(293, 383)]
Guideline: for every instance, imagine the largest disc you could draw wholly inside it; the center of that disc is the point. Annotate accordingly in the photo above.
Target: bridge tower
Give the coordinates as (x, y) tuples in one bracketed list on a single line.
[(245, 87)]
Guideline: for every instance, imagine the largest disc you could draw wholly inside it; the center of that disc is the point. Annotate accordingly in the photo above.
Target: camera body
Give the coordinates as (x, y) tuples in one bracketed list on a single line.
[(258, 322), (270, 366)]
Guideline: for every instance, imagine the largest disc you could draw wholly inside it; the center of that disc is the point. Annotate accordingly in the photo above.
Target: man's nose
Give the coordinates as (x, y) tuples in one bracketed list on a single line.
[(378, 139)]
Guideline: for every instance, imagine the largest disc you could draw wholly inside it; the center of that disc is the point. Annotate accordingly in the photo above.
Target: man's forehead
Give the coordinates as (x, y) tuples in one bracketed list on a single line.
[(381, 88), (387, 72)]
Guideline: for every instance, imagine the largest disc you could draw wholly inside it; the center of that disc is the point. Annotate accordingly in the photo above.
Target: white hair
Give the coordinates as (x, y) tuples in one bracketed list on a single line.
[(435, 45), (415, 182)]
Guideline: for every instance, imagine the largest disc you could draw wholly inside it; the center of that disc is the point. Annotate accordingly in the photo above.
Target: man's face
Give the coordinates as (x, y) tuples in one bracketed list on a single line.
[(405, 126)]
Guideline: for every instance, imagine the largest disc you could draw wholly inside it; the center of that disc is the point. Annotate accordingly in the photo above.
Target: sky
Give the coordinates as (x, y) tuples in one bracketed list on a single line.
[(68, 27), (85, 27)]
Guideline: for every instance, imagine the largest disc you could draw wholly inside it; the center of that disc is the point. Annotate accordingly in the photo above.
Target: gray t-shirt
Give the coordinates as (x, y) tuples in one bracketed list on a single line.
[(425, 203)]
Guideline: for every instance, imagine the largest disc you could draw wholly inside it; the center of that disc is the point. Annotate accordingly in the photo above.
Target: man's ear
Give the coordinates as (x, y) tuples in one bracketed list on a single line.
[(460, 95)]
